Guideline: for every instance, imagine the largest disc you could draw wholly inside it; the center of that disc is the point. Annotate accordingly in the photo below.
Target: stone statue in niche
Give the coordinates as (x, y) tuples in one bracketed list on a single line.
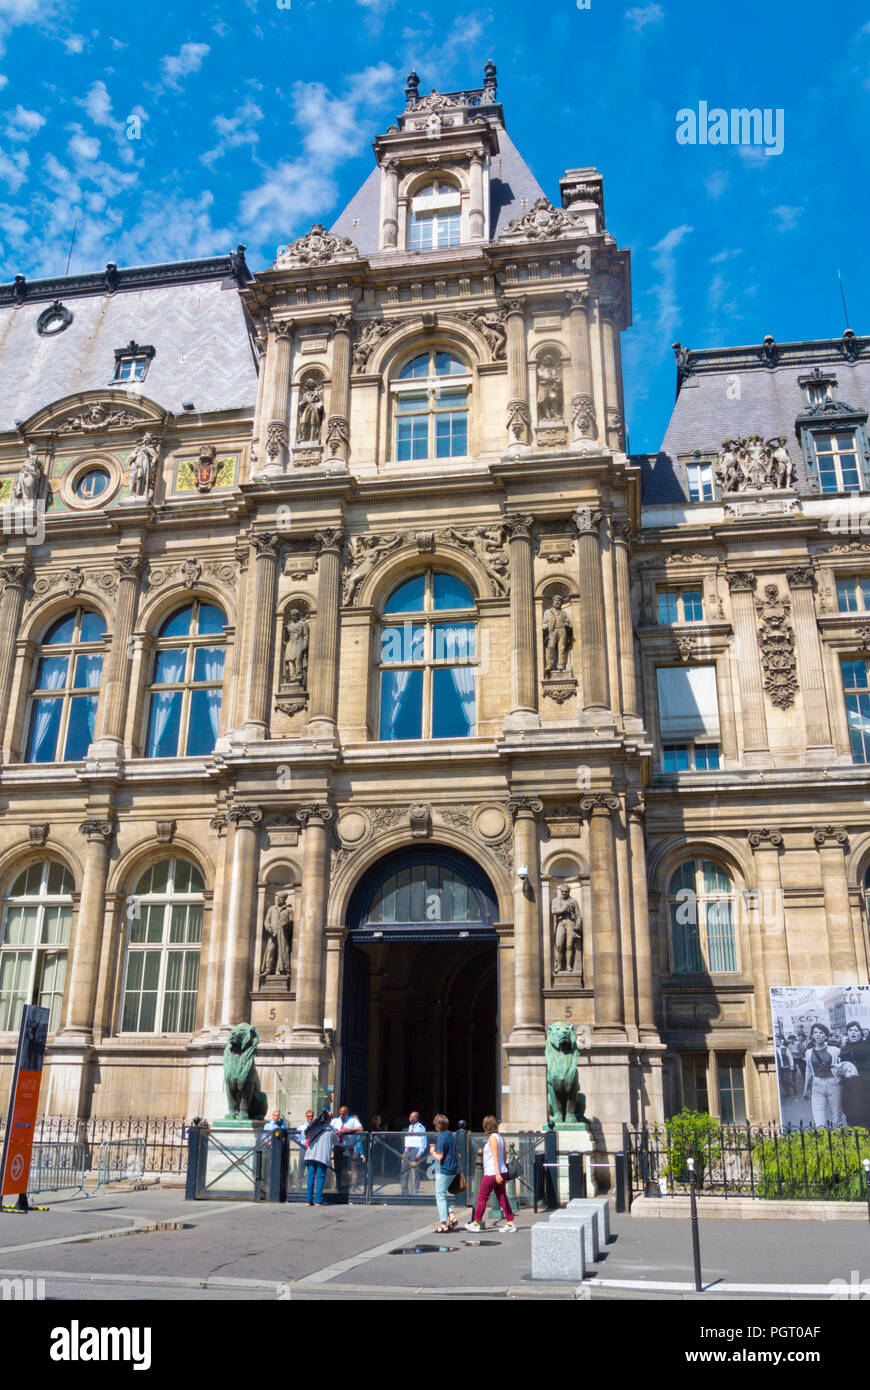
[(309, 422), (143, 467), (30, 483), (557, 636), (296, 640), (567, 922), (277, 925), (549, 397)]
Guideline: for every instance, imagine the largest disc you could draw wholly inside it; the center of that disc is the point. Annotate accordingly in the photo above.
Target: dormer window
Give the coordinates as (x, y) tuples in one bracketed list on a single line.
[(817, 390), (434, 223), (132, 362)]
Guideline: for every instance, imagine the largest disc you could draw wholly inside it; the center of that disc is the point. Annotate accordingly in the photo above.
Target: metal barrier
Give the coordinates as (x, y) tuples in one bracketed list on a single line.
[(58, 1166), (121, 1160)]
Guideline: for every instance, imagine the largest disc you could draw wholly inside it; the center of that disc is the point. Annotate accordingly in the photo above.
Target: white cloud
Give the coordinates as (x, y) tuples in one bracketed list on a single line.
[(83, 147), (13, 168), (22, 124), (74, 44), (98, 105), (235, 131), (716, 183), (788, 216), (3, 80), (188, 59), (641, 17), (722, 256), (665, 263)]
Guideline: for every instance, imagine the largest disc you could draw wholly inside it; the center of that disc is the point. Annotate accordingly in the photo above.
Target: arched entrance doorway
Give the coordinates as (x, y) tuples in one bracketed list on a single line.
[(420, 998)]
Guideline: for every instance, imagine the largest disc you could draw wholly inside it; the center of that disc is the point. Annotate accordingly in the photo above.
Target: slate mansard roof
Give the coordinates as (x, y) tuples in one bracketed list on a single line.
[(729, 393), (189, 312)]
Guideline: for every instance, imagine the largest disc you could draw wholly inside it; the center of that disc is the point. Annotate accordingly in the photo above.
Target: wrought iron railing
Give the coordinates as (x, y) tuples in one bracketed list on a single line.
[(762, 1161), (163, 1138)]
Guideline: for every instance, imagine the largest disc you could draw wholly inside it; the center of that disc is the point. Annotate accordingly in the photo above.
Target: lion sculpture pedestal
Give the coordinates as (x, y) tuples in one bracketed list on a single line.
[(566, 1103)]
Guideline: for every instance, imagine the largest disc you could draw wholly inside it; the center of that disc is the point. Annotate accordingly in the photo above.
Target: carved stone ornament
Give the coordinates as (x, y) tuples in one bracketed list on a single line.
[(191, 572), (777, 642), (587, 521), (130, 567), (265, 544), (583, 417), (244, 815), (38, 834), (863, 635), (751, 465), (309, 417), (491, 324), (558, 688), (165, 830), (329, 538), (315, 812), (367, 335), (765, 837), (142, 464), (599, 801), (541, 221), (218, 823), (96, 829), (364, 555), (15, 576), (30, 484), (519, 420), (337, 433), (550, 399), (525, 806), (486, 544), (73, 580), (96, 417), (317, 247), (802, 577), (742, 582), (276, 439), (206, 468), (822, 834), (420, 818), (689, 645)]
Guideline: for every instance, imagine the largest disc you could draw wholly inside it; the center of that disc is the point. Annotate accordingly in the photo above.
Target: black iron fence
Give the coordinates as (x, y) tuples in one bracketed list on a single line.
[(762, 1161), (163, 1138)]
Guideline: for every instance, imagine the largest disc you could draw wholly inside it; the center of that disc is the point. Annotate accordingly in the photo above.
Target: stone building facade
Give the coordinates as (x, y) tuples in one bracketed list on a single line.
[(356, 682)]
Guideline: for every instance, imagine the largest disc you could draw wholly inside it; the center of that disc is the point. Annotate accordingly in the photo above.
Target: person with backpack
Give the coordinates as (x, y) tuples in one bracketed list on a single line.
[(495, 1172)]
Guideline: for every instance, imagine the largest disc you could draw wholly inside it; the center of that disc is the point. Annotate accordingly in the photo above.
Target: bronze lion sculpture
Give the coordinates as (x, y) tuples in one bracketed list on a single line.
[(245, 1101), (565, 1101)]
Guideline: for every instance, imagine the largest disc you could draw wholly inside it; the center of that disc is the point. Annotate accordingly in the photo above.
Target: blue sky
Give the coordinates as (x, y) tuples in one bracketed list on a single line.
[(257, 116)]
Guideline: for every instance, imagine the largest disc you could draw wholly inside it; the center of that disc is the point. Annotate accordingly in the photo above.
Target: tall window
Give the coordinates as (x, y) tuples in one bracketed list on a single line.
[(435, 218), (716, 1074), (63, 709), (680, 606), (688, 718), (701, 899), (185, 698), (856, 688), (430, 397), (428, 659), (700, 477), (853, 594), (37, 915), (163, 949), (837, 460)]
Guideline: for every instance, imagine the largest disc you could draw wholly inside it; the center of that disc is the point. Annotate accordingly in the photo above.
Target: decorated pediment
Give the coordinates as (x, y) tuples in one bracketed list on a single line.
[(542, 221), (317, 247), (95, 413)]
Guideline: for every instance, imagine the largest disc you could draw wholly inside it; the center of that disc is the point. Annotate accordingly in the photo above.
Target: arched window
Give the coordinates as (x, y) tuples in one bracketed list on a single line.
[(423, 889), (63, 707), (428, 659), (434, 223), (430, 407), (185, 697), (163, 948), (701, 899), (37, 915)]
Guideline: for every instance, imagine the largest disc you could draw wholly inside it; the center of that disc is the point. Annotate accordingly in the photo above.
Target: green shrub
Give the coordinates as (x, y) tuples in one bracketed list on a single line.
[(832, 1159), (691, 1134)]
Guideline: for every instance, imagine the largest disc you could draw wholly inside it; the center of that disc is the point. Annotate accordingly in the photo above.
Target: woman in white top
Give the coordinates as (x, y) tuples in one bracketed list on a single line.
[(494, 1179)]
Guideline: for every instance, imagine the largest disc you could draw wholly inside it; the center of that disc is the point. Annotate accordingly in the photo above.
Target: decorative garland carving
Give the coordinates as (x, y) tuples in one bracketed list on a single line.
[(777, 642)]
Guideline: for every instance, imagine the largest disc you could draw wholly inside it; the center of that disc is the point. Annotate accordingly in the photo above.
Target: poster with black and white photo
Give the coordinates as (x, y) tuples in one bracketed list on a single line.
[(821, 1035)]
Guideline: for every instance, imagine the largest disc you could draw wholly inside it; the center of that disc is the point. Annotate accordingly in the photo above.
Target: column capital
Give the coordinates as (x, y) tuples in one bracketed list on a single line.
[(16, 576), (316, 811), (525, 806), (130, 567), (801, 577), (587, 520), (331, 538), (742, 581), (266, 544), (244, 815), (622, 534), (579, 299), (341, 323), (635, 804), (601, 803), (97, 829), (283, 330), (765, 838), (518, 525), (516, 304), (823, 834)]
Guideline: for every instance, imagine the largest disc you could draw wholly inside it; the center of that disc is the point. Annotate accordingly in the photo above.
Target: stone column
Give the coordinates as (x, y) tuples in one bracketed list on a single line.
[(475, 204), (627, 673), (643, 975), (85, 954), (337, 427), (524, 681), (593, 641), (801, 582), (110, 737), (519, 420), (770, 924), (308, 1026), (606, 946), (832, 843), (278, 398), (742, 584), (266, 546), (15, 578), (240, 944), (609, 310), (323, 650), (528, 943), (584, 427), (390, 173)]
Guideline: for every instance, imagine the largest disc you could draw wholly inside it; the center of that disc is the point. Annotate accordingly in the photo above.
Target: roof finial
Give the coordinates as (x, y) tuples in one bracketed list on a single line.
[(412, 90), (489, 83)]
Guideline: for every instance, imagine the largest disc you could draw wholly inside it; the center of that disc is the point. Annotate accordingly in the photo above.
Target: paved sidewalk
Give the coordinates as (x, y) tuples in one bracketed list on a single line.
[(155, 1245)]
